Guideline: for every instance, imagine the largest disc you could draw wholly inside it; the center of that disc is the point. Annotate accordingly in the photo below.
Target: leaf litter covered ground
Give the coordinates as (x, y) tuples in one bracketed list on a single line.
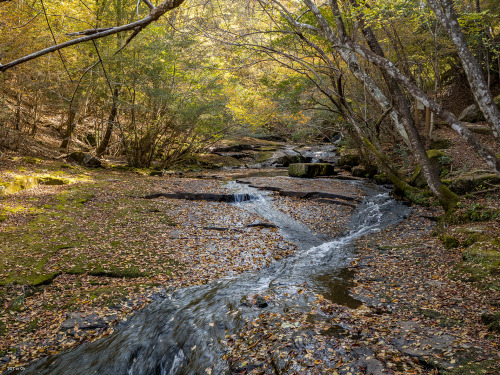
[(89, 254), (415, 317), (98, 251)]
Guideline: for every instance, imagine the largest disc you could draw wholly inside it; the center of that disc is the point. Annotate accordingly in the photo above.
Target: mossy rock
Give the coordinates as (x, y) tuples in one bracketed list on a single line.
[(450, 242), (349, 160), (469, 183), (440, 144), (438, 160), (309, 170), (368, 171), (17, 184), (492, 321), (486, 254), (382, 179), (497, 101), (49, 180)]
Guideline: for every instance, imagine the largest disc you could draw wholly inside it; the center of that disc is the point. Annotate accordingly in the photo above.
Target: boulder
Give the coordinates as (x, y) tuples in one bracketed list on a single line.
[(471, 114), (283, 158), (440, 144), (85, 159), (159, 173), (438, 160), (348, 161), (368, 171), (310, 169), (469, 183), (382, 179)]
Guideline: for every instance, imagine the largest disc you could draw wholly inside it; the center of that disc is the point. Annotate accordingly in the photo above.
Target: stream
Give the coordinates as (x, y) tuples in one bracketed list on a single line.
[(180, 332)]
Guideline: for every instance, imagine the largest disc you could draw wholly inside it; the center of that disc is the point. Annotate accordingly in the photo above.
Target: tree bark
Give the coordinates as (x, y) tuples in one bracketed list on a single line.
[(488, 155), (403, 109), (446, 15), (70, 126), (17, 125), (103, 146)]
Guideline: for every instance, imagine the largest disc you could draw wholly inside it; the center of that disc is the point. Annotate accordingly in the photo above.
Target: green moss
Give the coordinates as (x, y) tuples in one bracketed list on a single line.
[(450, 242), (440, 144), (492, 321), (447, 199), (475, 212), (48, 180), (475, 368), (349, 160), (31, 160), (263, 156)]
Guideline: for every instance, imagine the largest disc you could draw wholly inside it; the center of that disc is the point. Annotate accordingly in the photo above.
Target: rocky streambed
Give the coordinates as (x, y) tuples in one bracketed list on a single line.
[(366, 290)]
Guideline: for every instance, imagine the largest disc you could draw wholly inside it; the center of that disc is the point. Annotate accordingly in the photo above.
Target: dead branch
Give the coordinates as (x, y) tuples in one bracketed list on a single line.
[(155, 13)]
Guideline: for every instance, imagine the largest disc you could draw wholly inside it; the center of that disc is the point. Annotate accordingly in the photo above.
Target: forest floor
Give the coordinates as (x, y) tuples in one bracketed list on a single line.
[(77, 258)]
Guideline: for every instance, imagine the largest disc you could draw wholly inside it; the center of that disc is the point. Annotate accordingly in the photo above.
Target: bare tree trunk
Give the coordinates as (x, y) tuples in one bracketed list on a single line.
[(18, 111), (35, 115), (70, 126), (445, 13), (103, 146), (488, 155), (446, 198)]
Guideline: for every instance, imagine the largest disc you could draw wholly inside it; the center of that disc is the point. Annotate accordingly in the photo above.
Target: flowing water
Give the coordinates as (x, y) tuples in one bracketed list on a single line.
[(181, 333)]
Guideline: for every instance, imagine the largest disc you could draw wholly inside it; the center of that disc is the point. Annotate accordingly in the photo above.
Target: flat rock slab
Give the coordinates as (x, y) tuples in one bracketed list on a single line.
[(210, 197), (326, 189), (85, 321)]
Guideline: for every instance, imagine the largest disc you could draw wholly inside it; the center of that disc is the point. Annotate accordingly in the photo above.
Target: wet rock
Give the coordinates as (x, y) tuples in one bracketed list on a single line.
[(319, 153), (283, 158), (367, 362), (85, 159), (5, 359), (230, 198), (262, 225), (221, 229), (260, 302), (309, 170)]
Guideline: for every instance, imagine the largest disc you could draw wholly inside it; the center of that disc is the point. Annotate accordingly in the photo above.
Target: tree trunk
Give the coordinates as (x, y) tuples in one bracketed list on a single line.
[(70, 126), (352, 62), (445, 13), (447, 199), (35, 115), (488, 155), (103, 146), (18, 111)]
